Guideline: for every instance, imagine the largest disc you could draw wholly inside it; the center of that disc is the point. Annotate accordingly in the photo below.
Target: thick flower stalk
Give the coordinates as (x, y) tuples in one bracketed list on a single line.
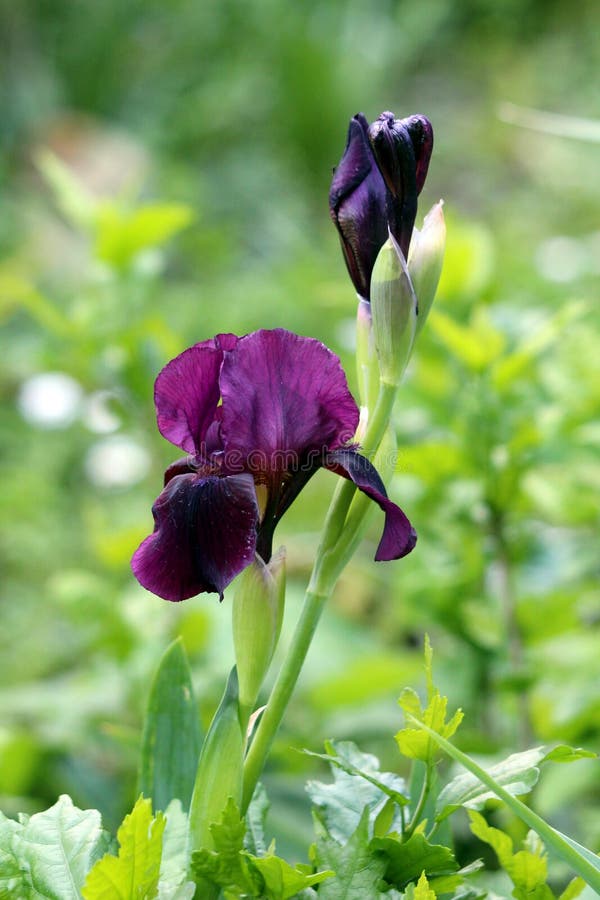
[(258, 416)]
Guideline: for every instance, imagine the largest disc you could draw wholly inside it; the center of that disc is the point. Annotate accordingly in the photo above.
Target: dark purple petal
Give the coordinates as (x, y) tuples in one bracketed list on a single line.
[(394, 152), (357, 203), (204, 535), (285, 401), (399, 537), (186, 395), (421, 134)]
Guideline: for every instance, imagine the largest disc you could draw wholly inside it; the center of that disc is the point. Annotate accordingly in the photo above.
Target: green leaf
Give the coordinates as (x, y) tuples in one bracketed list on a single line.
[(358, 784), (171, 739), (422, 889), (13, 879), (57, 847), (122, 234), (280, 880), (134, 873), (406, 860), (225, 866), (517, 774), (256, 815), (565, 754), (358, 870), (346, 756), (414, 743), (573, 889), (174, 859), (527, 869)]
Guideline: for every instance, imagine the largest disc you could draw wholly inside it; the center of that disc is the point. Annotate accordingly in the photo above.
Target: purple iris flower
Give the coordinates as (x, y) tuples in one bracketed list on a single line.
[(258, 416), (375, 187)]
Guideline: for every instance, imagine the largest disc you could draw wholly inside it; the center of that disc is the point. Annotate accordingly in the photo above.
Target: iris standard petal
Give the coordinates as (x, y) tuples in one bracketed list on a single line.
[(399, 537), (285, 402), (204, 535), (357, 203), (186, 395)]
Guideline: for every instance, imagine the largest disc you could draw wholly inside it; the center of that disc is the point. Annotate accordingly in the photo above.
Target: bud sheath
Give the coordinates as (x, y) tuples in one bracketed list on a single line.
[(394, 310)]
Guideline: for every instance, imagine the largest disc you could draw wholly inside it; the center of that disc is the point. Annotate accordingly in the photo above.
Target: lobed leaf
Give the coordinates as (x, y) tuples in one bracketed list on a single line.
[(56, 849), (358, 870), (134, 873)]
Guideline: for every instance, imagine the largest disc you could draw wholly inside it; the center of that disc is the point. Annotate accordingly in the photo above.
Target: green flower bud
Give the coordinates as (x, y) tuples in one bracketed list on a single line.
[(426, 258), (394, 311), (257, 615), (220, 769)]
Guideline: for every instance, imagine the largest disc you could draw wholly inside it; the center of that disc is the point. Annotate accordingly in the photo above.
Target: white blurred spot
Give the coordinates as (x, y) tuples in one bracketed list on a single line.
[(97, 416), (561, 259), (116, 462), (49, 400)]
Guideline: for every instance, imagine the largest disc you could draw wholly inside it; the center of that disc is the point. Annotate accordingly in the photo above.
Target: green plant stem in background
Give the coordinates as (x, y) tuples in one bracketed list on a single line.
[(581, 860), (331, 558)]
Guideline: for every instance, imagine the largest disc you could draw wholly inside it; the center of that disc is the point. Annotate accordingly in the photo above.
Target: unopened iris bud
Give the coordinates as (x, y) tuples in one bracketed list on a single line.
[(257, 615), (394, 309), (402, 150), (426, 259), (220, 769), (357, 203), (375, 188)]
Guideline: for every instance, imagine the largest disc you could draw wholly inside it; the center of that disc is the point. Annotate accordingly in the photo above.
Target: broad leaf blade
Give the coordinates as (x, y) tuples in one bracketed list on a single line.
[(57, 847), (517, 774), (358, 870), (406, 860), (135, 871), (171, 739)]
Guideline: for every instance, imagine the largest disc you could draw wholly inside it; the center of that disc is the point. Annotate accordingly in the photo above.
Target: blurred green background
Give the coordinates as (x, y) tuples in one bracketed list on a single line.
[(164, 173)]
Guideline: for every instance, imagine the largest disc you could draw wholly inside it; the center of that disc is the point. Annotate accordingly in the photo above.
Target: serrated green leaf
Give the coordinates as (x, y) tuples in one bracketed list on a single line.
[(358, 870), (500, 842), (357, 784), (171, 739), (225, 866), (346, 756), (57, 847), (518, 773), (422, 889), (444, 884), (280, 880), (134, 873), (406, 860)]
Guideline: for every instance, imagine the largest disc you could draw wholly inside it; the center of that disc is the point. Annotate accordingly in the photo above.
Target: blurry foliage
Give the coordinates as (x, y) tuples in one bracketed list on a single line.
[(164, 170)]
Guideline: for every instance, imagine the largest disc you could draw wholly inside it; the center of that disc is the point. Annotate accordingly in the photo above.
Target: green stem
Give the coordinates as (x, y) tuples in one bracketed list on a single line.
[(580, 859), (328, 565)]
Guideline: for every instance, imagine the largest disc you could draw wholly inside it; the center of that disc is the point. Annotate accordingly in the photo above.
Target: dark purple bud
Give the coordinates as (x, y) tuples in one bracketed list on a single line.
[(357, 203), (402, 149)]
